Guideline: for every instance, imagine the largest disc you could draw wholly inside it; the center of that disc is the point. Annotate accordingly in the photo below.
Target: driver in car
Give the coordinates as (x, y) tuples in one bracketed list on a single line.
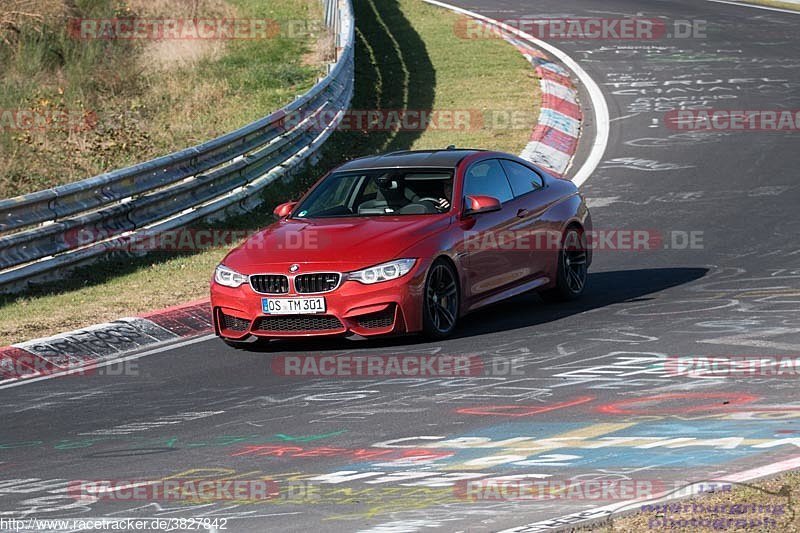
[(443, 204)]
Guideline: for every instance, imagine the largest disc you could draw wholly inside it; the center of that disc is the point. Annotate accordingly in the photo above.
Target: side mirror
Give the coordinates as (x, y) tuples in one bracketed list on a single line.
[(284, 210), (481, 204)]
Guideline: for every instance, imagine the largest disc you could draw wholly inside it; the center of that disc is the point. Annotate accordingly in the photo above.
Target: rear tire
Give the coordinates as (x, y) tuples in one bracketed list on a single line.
[(441, 301), (573, 267)]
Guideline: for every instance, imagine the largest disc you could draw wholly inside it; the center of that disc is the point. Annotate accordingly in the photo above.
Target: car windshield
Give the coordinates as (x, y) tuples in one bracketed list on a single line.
[(379, 193)]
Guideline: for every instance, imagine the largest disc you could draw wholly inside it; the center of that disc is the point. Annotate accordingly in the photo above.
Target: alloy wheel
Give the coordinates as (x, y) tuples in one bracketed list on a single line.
[(575, 268), (441, 298)]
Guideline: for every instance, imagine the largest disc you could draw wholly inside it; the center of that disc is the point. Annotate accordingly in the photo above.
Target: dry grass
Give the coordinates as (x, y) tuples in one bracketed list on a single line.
[(15, 14), (323, 52), (160, 56), (778, 498), (181, 8), (149, 97), (775, 3)]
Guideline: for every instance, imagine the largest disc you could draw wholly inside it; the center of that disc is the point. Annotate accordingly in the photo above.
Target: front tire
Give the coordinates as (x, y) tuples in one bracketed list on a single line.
[(441, 301), (573, 268)]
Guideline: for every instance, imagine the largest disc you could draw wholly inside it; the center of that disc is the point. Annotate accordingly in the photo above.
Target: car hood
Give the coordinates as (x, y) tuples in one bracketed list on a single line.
[(344, 243)]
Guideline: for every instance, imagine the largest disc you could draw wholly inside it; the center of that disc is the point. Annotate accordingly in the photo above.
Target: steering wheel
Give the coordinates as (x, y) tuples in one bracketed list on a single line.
[(435, 202)]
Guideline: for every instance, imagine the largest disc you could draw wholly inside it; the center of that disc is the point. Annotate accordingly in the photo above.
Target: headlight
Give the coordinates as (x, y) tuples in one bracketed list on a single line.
[(383, 272), (230, 278)]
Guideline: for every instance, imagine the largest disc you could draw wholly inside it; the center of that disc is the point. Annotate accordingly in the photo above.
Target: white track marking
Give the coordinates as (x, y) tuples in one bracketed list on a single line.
[(82, 369), (599, 105), (755, 6)]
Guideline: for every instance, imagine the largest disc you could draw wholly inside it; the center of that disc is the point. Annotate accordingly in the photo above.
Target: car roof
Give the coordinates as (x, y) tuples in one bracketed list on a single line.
[(411, 158)]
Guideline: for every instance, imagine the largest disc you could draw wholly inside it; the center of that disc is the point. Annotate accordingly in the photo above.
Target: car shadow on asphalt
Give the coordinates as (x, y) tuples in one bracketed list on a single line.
[(603, 289)]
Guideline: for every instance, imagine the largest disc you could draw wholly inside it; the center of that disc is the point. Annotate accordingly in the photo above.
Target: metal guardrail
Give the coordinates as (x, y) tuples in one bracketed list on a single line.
[(44, 231)]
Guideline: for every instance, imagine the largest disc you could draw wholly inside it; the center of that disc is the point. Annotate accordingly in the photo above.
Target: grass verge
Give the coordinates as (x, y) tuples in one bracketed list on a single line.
[(794, 6), (107, 103), (407, 57), (766, 505)]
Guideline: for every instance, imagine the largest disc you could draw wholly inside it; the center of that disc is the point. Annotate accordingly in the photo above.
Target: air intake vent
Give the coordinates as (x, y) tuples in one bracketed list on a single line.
[(310, 283), (269, 283), (298, 323), (234, 323), (379, 320)]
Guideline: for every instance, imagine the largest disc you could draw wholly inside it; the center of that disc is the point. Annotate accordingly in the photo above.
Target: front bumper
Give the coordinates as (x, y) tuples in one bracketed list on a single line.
[(386, 308)]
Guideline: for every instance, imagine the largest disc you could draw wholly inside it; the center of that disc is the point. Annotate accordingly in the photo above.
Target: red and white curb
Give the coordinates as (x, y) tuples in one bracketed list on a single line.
[(552, 108), (87, 347), (554, 140)]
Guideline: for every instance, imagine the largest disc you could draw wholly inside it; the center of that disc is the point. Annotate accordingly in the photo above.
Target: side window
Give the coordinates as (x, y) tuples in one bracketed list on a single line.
[(523, 180), (371, 188), (486, 178), (369, 191), (342, 190)]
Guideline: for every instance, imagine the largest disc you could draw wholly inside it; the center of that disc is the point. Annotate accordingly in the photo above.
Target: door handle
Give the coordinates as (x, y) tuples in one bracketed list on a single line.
[(522, 213)]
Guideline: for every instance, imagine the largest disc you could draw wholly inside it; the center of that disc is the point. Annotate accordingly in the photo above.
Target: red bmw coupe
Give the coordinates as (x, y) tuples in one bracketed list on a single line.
[(405, 242)]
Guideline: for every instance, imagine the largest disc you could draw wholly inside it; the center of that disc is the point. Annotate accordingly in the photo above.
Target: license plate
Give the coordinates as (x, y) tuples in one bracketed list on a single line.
[(292, 306)]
